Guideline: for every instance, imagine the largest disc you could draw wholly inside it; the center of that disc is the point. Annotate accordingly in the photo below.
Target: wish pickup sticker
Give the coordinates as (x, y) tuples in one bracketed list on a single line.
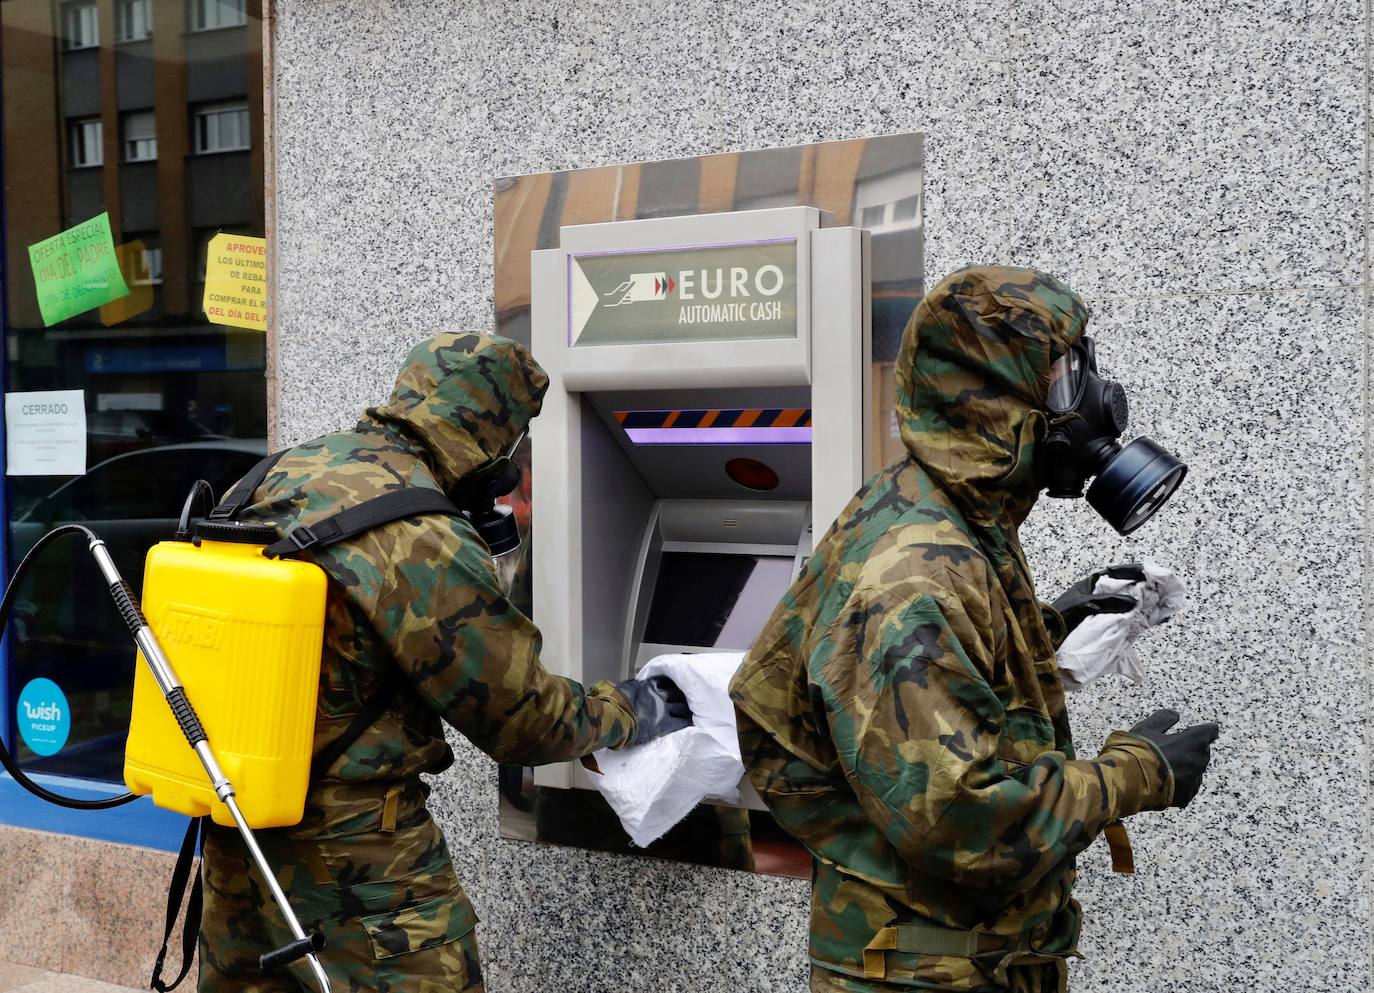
[(45, 718), (236, 282), (76, 271)]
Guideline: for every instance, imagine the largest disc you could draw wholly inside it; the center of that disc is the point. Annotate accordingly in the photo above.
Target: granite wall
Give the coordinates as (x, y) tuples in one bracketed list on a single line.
[(1197, 169)]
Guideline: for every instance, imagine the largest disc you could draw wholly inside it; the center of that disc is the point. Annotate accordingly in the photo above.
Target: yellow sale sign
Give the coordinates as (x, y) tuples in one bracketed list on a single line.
[(236, 282)]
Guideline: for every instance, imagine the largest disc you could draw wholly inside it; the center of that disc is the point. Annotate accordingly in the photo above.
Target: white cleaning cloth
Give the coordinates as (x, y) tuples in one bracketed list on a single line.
[(1105, 643), (653, 786)]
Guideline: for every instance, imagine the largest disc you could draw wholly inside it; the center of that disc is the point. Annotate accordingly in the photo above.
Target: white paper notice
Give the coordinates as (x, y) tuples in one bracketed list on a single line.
[(45, 433)]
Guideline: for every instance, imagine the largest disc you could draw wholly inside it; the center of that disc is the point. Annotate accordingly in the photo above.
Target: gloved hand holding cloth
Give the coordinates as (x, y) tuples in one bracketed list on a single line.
[(1083, 600), (1105, 612), (659, 706), (652, 785)]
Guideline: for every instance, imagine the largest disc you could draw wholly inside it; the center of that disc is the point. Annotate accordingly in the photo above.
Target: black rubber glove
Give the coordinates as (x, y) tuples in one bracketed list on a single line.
[(660, 707), (1187, 751), (1079, 601)]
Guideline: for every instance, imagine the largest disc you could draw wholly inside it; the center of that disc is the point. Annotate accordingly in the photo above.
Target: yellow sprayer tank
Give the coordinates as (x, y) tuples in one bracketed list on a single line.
[(243, 634)]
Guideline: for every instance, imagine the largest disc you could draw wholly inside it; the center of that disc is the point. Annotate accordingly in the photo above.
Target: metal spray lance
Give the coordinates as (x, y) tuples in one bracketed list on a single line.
[(305, 945)]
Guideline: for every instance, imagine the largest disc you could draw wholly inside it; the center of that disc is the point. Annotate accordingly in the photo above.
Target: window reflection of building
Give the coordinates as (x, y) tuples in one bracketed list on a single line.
[(133, 20), (86, 143), (150, 111), (80, 26), (146, 269), (208, 15), (887, 201), (140, 136), (221, 128)]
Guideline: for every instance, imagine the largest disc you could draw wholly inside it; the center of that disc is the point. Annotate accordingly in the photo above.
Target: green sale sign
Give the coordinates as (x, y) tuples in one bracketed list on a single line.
[(76, 270)]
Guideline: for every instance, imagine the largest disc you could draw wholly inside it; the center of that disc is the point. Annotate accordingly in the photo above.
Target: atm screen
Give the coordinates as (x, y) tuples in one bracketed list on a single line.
[(715, 600)]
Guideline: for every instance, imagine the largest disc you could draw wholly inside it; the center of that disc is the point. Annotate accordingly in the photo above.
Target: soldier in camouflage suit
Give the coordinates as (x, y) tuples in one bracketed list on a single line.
[(367, 865), (902, 714)]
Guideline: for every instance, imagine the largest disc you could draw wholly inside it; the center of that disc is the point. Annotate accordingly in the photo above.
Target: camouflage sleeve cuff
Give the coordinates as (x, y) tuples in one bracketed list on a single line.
[(1140, 776), (1054, 624), (619, 727)]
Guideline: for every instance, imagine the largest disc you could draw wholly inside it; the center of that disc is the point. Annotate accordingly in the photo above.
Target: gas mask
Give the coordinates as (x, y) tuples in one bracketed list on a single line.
[(476, 495), (1087, 417)]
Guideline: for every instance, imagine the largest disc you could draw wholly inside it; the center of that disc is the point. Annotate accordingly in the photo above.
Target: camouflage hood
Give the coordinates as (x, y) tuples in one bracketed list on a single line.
[(972, 382), (465, 398)]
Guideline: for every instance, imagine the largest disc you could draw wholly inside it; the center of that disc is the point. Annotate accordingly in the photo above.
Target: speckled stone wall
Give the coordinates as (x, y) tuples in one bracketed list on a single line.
[(1197, 168)]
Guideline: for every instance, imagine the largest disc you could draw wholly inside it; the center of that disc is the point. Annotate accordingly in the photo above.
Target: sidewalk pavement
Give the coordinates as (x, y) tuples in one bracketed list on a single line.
[(23, 979)]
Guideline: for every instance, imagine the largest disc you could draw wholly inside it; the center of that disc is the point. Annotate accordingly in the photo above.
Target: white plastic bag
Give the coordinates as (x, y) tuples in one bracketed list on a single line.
[(1105, 643), (653, 786)]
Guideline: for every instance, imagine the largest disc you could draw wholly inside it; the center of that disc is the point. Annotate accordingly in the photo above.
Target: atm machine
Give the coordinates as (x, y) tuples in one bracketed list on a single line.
[(704, 425)]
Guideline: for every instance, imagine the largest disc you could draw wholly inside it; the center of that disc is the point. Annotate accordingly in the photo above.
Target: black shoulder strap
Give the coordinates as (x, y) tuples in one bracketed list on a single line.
[(375, 706), (394, 506), (190, 928), (242, 494)]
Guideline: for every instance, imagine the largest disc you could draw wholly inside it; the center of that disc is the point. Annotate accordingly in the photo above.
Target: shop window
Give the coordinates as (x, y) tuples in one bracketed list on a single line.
[(221, 128), (166, 397), (86, 137), (133, 20), (207, 15), (140, 137), (80, 26)]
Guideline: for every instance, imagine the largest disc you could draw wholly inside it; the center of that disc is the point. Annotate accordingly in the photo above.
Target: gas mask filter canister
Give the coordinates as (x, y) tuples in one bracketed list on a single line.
[(1088, 416)]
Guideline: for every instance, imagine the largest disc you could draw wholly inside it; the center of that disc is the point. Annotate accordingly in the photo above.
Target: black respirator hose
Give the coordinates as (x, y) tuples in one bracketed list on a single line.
[(6, 605)]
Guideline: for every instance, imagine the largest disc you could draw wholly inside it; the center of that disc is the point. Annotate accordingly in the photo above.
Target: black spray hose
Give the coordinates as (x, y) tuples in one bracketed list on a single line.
[(6, 605)]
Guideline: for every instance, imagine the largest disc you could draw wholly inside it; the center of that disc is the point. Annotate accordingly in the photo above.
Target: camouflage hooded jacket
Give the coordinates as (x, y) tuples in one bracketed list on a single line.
[(422, 594), (902, 712)]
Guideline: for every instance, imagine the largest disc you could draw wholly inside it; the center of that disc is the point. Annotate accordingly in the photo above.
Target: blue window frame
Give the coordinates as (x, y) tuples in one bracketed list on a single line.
[(137, 823)]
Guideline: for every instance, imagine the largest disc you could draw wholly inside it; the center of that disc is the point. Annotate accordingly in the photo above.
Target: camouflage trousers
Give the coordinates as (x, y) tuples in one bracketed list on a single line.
[(387, 901)]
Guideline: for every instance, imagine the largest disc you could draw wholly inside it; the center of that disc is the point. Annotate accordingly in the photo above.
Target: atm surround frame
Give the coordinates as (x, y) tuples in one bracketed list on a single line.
[(831, 176)]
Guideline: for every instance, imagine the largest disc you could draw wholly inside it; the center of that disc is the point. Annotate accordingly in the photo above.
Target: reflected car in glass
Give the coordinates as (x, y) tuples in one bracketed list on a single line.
[(64, 626)]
